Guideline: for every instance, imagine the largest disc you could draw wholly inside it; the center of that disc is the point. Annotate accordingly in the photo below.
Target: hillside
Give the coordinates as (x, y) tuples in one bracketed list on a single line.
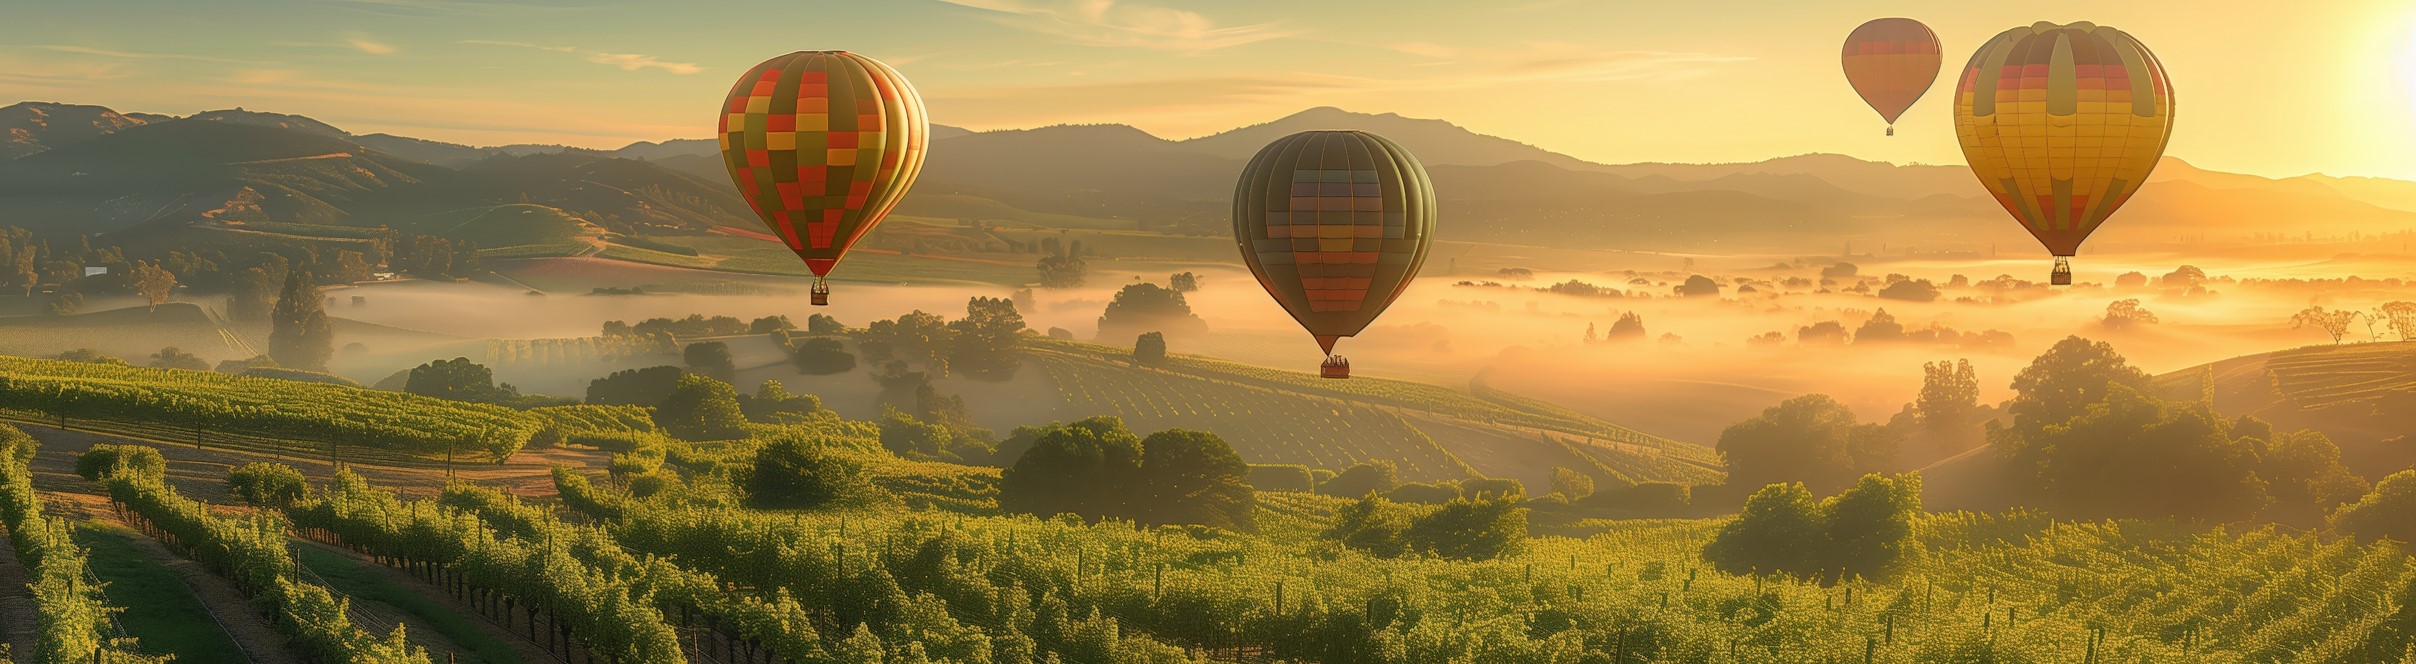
[(2361, 395)]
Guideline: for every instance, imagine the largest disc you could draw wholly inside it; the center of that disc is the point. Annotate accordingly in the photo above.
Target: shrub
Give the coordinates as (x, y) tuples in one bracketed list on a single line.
[(266, 484), (107, 460)]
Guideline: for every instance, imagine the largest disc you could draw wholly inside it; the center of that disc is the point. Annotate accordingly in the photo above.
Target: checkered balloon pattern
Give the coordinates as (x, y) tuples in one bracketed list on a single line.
[(1335, 224), (822, 144), (2063, 123)]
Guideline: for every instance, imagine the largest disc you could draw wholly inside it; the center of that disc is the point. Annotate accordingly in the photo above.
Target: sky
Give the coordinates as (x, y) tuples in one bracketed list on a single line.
[(2263, 87)]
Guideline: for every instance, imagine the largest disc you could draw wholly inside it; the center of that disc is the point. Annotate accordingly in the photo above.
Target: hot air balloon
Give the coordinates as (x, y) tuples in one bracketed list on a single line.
[(1335, 224), (2063, 123), (1891, 62), (823, 144)]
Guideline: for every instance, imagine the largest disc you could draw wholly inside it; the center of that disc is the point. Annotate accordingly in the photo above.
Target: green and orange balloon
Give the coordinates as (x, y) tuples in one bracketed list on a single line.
[(823, 144)]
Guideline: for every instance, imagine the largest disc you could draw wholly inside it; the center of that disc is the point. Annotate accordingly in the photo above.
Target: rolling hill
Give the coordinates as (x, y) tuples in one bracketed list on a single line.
[(2361, 395)]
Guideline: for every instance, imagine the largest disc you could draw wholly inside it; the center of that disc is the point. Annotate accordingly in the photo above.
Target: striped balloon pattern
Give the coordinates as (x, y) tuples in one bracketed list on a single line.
[(823, 144), (2062, 124), (1335, 225), (1891, 62)]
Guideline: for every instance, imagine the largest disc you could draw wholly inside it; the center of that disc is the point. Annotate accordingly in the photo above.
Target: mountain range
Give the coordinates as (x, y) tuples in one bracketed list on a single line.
[(91, 169)]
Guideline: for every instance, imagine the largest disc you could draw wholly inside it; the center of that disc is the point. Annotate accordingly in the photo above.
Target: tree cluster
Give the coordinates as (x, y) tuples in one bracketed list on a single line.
[(1098, 469), (1865, 532)]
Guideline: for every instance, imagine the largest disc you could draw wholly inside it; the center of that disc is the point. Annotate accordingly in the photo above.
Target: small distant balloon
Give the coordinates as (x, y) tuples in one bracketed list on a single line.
[(2062, 124), (823, 144), (1891, 62), (1335, 225)]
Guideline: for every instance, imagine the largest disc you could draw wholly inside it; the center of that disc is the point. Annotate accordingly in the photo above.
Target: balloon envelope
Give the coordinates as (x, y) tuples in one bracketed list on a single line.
[(1335, 224), (1891, 63), (822, 144), (2062, 124)]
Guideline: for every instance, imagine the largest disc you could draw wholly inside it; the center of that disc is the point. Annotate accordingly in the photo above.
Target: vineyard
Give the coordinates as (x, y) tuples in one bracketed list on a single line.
[(1264, 425), (287, 410), (574, 352)]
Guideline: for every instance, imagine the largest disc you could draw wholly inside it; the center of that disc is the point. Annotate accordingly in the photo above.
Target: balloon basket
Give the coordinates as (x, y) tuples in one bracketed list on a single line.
[(1335, 367), (821, 292), (1891, 130), (2062, 276)]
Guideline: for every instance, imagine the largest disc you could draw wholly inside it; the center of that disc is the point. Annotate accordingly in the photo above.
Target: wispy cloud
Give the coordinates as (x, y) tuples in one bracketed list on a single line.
[(625, 61), (514, 44), (441, 8), (634, 62), (136, 55), (1124, 24), (369, 46)]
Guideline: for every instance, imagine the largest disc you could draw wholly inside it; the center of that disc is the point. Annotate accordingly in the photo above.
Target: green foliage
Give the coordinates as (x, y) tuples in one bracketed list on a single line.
[(105, 460), (72, 617), (88, 356), (1361, 478), (2304, 467), (1571, 483), (266, 484), (1811, 439), (711, 359), (2388, 512), (2132, 455), (823, 324), (2062, 383), (988, 341), (635, 387), (770, 324), (1143, 307), (772, 403), (1865, 532), (822, 356), (1276, 477), (1463, 528), (300, 334), (701, 408), (173, 358), (1150, 348), (1079, 468), (290, 410), (1193, 477), (793, 472), (458, 379)]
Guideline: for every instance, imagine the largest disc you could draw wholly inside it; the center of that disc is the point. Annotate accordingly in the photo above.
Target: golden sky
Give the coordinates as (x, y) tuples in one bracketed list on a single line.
[(2263, 87)]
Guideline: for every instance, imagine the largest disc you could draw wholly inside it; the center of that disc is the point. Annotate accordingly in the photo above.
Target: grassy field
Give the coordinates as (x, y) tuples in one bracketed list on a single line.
[(365, 584), (161, 610)]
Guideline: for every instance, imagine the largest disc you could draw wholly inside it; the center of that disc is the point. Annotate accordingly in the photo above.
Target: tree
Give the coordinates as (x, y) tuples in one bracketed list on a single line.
[(1143, 307), (1571, 483), (2133, 456), (2182, 277), (1827, 332), (1881, 328), (266, 484), (711, 359), (2305, 467), (2130, 280), (1949, 401), (1150, 348), (1193, 477), (1777, 532), (1373, 475), (300, 336), (1471, 528), (822, 356), (1372, 524), (2402, 317), (253, 292), (1080, 468), (635, 387), (701, 408), (1629, 327), (1183, 282), (911, 438), (915, 337), (793, 473), (1840, 270), (823, 324), (175, 358), (988, 341), (458, 379), (89, 356), (2126, 314), (2062, 382), (1063, 271), (1699, 286), (770, 324), (2388, 512), (772, 403), (1910, 290), (1812, 439), (153, 282), (2335, 323), (1870, 527), (64, 303)]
